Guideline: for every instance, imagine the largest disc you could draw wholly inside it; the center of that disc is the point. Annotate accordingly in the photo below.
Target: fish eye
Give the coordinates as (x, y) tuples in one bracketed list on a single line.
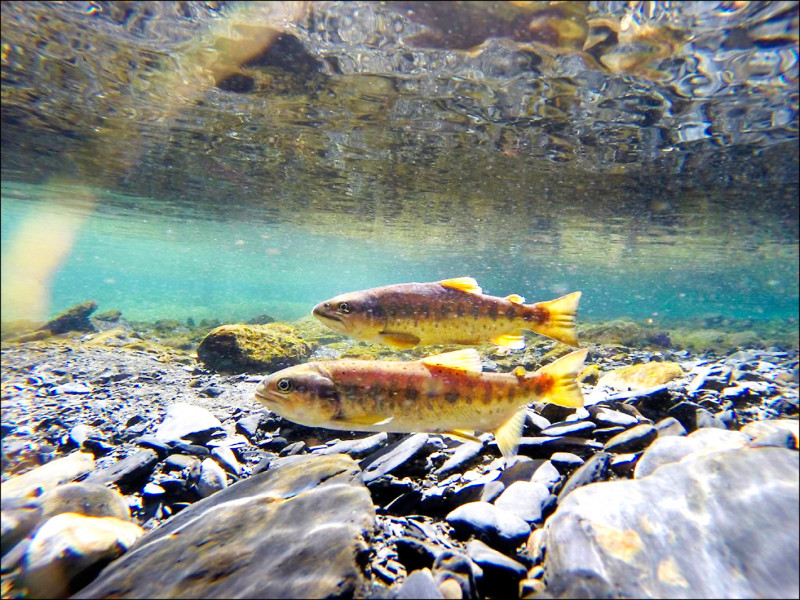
[(284, 385), (344, 307)]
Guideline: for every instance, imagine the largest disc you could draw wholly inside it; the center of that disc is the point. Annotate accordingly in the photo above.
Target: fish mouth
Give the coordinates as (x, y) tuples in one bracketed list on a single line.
[(268, 397), (330, 319)]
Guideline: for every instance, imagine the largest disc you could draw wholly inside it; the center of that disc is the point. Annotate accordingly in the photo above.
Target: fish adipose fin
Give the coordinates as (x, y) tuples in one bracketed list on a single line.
[(512, 341), (562, 374), (399, 339), (508, 434), (463, 434), (468, 359), (560, 321), (515, 298), (465, 284)]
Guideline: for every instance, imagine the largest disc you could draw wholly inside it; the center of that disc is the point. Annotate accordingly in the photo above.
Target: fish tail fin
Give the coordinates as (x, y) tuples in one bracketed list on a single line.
[(557, 318), (558, 380)]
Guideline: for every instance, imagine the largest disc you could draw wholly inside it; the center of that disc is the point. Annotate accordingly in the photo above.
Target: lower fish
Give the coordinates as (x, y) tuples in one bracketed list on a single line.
[(445, 393), (451, 311)]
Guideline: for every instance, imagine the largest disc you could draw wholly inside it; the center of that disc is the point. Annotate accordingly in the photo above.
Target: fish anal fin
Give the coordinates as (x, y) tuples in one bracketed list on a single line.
[(465, 284), (515, 298), (508, 434), (468, 359), (512, 341), (398, 339), (464, 435)]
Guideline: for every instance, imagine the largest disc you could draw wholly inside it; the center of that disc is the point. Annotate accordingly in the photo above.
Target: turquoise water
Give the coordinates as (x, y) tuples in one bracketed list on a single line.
[(152, 266), (656, 171)]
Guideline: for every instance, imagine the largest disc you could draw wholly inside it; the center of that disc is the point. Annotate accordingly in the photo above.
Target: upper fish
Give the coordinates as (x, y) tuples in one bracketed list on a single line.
[(451, 311), (446, 393)]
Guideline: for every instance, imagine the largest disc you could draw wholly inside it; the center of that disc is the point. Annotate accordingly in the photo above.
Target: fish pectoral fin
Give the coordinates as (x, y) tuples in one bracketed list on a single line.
[(465, 435), (465, 284), (508, 434), (369, 420), (512, 341), (515, 298), (398, 339), (468, 359)]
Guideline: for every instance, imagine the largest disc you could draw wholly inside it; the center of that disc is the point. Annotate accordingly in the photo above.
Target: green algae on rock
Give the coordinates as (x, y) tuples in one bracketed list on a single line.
[(256, 348)]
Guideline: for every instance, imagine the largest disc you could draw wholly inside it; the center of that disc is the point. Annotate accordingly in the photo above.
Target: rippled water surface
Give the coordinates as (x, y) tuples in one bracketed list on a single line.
[(225, 160)]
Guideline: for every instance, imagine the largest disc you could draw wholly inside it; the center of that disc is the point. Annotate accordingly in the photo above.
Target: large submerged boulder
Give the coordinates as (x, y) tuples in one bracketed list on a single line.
[(253, 348)]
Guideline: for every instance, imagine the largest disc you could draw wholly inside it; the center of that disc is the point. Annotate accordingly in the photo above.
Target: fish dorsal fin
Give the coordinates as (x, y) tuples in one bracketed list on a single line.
[(508, 434), (515, 298), (463, 360), (512, 341), (465, 284)]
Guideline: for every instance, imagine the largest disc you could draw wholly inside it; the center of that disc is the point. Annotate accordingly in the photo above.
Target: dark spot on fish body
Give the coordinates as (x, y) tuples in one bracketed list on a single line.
[(444, 310), (540, 315), (492, 312), (411, 393), (476, 311), (511, 393), (425, 311), (543, 384), (487, 393), (511, 312), (460, 310), (452, 396)]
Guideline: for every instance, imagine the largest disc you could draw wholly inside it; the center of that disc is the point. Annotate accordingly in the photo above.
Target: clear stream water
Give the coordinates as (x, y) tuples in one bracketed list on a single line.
[(363, 144)]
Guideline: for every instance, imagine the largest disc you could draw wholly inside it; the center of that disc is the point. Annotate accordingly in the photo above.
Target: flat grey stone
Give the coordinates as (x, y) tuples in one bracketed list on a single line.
[(227, 459), (128, 471), (633, 439), (293, 531), (487, 522), (594, 469), (670, 426), (184, 421), (390, 458), (419, 584), (47, 476), (357, 448), (566, 460), (576, 428), (525, 500), (546, 474), (544, 446), (501, 574), (463, 455), (723, 525), (69, 544), (606, 417), (212, 478)]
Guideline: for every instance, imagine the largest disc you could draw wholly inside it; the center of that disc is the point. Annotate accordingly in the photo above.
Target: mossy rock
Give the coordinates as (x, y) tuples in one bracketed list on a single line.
[(253, 348), (589, 374), (311, 329), (642, 376), (619, 331)]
